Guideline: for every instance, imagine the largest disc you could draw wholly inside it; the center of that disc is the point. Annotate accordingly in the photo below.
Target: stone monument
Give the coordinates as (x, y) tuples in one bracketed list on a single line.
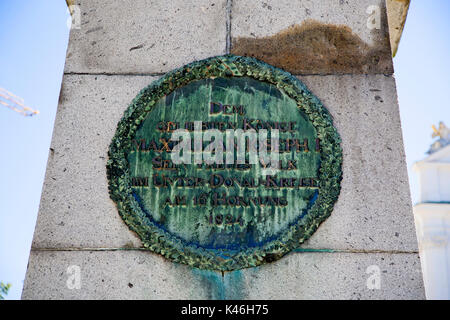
[(141, 201)]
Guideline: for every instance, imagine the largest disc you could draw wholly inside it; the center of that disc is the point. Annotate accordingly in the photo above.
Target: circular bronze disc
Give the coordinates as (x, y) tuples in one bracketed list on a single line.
[(232, 215)]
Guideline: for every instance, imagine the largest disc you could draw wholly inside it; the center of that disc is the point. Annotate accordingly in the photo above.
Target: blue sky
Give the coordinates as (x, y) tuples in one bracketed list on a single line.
[(34, 39), (422, 72), (33, 36)]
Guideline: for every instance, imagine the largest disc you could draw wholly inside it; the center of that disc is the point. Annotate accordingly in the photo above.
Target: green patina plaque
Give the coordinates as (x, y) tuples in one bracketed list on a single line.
[(225, 214)]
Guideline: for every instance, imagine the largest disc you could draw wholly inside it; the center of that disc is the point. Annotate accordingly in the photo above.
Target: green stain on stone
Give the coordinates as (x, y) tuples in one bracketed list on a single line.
[(212, 282), (235, 286)]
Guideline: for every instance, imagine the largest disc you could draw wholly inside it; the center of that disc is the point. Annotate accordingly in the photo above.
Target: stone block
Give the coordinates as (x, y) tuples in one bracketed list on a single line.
[(142, 275), (138, 36), (75, 209)]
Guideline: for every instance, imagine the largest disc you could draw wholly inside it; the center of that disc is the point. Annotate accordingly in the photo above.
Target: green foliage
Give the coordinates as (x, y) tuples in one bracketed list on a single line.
[(4, 288)]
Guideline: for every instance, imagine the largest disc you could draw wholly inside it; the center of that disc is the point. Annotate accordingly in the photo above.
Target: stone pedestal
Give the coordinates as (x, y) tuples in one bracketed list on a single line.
[(366, 249)]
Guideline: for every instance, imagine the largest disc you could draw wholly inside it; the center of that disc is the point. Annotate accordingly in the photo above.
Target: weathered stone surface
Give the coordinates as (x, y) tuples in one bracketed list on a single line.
[(115, 275), (374, 208), (138, 36), (75, 209), (329, 276), (313, 37), (373, 211), (143, 275)]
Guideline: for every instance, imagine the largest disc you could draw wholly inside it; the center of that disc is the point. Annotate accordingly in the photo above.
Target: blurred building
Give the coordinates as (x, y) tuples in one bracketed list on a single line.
[(432, 216)]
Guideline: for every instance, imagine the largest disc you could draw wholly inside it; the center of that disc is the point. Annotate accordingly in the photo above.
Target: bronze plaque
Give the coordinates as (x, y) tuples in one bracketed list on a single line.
[(225, 163)]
